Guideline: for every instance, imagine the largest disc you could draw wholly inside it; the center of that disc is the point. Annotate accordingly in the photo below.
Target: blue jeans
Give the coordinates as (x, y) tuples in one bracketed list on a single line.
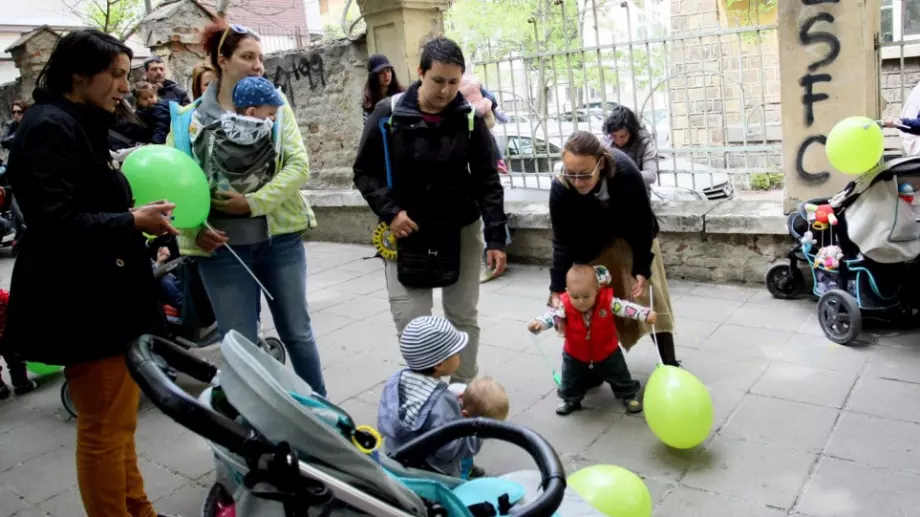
[(280, 263)]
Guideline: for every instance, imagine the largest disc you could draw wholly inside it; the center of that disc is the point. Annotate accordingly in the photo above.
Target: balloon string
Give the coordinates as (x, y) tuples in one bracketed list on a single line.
[(651, 301), (237, 257)]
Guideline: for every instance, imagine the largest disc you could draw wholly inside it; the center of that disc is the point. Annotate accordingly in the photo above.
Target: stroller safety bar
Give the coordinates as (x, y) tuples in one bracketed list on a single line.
[(415, 452)]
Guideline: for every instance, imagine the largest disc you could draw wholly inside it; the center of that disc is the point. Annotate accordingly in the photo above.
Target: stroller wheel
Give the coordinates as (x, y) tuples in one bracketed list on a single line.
[(839, 316), (66, 401), (216, 499), (784, 281), (275, 348)]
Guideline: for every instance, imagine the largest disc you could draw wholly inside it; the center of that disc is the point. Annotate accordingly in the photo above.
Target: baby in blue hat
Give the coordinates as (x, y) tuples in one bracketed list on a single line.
[(240, 149)]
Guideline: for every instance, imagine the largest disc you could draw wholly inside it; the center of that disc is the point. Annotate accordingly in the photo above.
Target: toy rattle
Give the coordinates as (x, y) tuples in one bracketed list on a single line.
[(829, 258), (906, 191), (808, 240)]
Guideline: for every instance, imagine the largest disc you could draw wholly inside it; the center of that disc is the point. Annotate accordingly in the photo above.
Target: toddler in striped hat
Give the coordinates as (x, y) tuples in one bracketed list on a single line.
[(416, 400)]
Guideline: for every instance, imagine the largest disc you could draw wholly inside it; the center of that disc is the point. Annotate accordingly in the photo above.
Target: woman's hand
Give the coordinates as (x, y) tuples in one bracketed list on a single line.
[(153, 218), (230, 203), (402, 226), (640, 287), (209, 240)]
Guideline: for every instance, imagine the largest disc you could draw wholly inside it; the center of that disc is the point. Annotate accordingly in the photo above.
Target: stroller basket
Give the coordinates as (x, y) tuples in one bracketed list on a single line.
[(368, 488)]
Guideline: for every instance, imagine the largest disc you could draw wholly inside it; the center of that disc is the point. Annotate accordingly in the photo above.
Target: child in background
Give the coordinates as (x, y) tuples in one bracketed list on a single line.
[(152, 111), (416, 400), (591, 353)]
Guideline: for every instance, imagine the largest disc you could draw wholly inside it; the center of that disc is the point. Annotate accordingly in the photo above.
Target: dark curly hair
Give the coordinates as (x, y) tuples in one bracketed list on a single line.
[(372, 89), (622, 117)]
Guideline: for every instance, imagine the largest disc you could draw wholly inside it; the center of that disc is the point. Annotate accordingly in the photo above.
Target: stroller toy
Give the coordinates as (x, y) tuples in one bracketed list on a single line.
[(868, 244)]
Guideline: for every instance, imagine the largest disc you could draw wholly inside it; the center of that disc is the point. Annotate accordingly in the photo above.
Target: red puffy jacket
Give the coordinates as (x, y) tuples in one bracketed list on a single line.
[(598, 342)]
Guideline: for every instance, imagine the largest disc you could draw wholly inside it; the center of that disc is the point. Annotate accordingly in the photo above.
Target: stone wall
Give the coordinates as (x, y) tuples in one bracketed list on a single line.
[(724, 88), (324, 85)]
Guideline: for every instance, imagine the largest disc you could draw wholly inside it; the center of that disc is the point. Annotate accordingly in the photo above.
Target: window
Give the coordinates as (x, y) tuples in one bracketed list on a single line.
[(900, 20)]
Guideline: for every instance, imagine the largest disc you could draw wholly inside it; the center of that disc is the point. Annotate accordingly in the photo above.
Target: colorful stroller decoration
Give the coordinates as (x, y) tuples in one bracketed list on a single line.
[(861, 247)]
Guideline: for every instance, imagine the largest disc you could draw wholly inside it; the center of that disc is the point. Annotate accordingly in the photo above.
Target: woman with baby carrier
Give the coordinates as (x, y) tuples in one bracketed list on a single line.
[(82, 289), (255, 163), (601, 215)]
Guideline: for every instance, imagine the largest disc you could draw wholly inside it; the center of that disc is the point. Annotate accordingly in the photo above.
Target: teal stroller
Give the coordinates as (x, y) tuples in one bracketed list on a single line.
[(281, 450)]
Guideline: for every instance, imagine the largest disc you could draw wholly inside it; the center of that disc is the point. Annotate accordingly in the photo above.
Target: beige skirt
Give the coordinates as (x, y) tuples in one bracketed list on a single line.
[(618, 259)]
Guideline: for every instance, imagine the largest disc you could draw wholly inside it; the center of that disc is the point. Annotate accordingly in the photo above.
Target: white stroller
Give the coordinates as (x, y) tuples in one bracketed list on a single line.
[(281, 450)]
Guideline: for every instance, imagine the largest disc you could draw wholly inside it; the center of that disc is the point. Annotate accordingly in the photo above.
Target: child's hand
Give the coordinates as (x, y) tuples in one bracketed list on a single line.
[(162, 255), (534, 327), (888, 123), (652, 317)]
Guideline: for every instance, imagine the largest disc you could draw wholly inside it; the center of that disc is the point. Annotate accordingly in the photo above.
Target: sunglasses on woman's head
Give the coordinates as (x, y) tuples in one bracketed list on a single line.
[(239, 29)]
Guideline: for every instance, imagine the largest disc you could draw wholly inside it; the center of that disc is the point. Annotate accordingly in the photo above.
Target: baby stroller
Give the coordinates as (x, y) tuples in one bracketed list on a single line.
[(281, 450), (861, 247), (195, 326)]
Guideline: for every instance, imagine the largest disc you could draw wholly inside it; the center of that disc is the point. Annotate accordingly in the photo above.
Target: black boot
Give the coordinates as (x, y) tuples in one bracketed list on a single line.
[(567, 408), (665, 342)]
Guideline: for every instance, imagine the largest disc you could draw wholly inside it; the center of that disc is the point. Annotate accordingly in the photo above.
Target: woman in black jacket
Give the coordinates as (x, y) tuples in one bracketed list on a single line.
[(18, 108), (381, 83), (82, 288), (601, 215)]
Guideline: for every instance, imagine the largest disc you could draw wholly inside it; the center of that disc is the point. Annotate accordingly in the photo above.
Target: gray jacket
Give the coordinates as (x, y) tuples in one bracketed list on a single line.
[(642, 150), (413, 404)]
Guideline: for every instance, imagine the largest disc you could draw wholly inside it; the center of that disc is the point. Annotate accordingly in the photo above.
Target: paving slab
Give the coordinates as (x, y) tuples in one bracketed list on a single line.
[(802, 427)]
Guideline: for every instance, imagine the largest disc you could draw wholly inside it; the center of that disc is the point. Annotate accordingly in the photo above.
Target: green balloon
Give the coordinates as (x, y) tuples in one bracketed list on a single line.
[(855, 145), (678, 408), (157, 172), (42, 369), (612, 490)]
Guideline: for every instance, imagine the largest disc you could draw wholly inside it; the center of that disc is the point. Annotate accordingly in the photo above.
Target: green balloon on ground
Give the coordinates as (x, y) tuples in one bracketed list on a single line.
[(42, 369), (612, 490), (678, 407), (157, 172), (855, 145)]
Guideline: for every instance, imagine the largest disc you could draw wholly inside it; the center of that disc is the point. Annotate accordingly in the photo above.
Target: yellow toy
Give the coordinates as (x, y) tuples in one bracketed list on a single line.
[(385, 241)]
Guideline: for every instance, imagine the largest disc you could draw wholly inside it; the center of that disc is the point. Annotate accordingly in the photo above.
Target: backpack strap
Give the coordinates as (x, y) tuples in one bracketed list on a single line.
[(179, 122)]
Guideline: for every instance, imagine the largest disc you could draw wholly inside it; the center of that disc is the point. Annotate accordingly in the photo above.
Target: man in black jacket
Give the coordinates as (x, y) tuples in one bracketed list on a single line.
[(166, 90), (443, 175)]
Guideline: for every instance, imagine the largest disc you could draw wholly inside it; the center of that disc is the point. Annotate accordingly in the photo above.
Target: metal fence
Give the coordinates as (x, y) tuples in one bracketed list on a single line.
[(708, 98), (275, 39), (900, 74)]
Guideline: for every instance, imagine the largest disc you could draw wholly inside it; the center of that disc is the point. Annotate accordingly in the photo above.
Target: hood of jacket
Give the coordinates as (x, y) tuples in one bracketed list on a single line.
[(408, 107), (407, 402)]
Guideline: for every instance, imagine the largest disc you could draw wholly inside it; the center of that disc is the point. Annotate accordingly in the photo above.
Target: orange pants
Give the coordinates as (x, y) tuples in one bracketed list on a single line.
[(106, 398)]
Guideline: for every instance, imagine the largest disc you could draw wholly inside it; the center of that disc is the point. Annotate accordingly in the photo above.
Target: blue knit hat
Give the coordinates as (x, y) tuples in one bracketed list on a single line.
[(256, 91)]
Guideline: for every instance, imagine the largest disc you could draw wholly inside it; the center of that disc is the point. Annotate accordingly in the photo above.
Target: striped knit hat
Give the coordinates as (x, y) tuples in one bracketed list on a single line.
[(430, 340)]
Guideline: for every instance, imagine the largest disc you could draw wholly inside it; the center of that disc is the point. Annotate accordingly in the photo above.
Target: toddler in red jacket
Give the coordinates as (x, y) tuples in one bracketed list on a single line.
[(591, 353)]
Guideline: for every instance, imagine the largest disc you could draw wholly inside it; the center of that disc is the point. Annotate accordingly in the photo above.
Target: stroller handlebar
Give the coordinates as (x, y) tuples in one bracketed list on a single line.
[(175, 402), (539, 449)]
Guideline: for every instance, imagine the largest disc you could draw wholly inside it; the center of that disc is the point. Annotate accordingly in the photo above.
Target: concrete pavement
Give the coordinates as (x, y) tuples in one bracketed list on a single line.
[(803, 427)]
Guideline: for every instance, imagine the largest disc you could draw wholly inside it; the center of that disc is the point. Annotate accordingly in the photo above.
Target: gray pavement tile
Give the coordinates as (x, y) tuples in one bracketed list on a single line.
[(761, 473), (65, 504), (42, 477), (323, 299), (724, 405), (741, 293), (186, 501), (735, 340), (899, 364), (690, 502), (845, 489), (329, 278), (691, 332), (510, 334), (818, 352), (346, 379), (152, 428), (187, 454), (363, 266), (39, 437), (10, 502), (805, 384), (13, 414), (910, 340), (681, 287), (360, 308), (159, 480), (630, 444), (363, 413), (891, 399), (719, 372), (571, 434), (32, 512), (781, 422), (877, 442), (768, 316), (511, 307), (525, 287), (363, 284), (812, 327), (325, 323), (703, 308)]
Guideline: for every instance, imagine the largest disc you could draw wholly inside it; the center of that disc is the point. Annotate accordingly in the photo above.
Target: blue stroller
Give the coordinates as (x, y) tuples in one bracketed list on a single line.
[(861, 247), (282, 451)]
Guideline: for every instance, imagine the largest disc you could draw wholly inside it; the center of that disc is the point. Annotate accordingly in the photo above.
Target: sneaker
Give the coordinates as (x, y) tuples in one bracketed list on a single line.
[(22, 389), (567, 408), (633, 405)]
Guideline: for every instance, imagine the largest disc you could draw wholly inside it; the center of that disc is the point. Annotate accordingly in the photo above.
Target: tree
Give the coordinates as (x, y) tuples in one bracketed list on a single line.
[(548, 36), (116, 17)]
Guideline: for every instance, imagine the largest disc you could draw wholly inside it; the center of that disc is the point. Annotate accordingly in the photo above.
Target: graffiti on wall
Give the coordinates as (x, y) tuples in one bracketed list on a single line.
[(813, 79), (298, 69)]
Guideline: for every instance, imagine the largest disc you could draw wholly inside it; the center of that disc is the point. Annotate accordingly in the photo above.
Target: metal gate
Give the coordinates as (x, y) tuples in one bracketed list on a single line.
[(710, 97)]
